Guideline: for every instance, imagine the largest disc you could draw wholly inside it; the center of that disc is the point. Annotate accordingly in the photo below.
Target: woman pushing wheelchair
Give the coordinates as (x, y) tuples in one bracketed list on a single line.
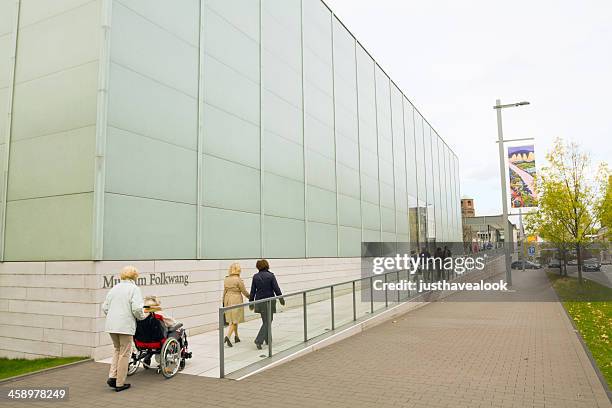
[(132, 320)]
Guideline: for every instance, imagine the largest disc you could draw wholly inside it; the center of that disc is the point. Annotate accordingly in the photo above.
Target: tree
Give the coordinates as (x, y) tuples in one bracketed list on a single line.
[(570, 201), (606, 204), (546, 222)]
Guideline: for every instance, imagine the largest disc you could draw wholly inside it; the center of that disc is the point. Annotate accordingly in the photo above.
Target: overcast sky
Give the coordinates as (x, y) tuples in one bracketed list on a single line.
[(453, 58)]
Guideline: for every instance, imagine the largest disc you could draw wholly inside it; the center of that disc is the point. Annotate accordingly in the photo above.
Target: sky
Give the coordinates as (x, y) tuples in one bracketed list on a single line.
[(453, 59)]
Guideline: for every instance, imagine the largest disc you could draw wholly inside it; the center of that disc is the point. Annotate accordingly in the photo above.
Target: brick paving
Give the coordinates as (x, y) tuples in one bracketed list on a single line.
[(446, 354)]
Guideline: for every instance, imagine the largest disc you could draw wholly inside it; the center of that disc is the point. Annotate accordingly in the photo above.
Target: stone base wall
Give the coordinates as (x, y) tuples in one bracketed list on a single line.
[(54, 308)]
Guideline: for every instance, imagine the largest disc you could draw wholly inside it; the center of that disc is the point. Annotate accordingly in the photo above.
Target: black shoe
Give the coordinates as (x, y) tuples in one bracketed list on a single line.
[(258, 345), (228, 342), (236, 339), (112, 382), (123, 387)]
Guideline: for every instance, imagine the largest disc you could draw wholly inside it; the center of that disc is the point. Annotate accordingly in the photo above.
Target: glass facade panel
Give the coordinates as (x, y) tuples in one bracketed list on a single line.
[(231, 132), (347, 141), (435, 167), (449, 195), (151, 148), (420, 155), (399, 166), (457, 200), (283, 125), (430, 228), (368, 147), (385, 155), (319, 138), (452, 197), (411, 171)]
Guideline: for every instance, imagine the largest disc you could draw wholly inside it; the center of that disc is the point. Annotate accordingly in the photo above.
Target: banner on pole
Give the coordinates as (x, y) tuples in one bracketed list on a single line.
[(522, 172)]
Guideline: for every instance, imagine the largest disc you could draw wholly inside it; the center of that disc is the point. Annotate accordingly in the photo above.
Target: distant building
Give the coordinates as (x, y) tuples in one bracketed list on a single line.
[(488, 229), (603, 236), (467, 207)]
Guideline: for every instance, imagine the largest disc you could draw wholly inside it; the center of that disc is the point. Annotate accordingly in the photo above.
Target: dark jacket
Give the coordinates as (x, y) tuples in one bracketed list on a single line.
[(264, 286), (447, 253)]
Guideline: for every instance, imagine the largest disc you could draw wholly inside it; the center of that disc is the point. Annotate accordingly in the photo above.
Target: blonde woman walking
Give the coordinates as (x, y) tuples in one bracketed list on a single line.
[(233, 290)]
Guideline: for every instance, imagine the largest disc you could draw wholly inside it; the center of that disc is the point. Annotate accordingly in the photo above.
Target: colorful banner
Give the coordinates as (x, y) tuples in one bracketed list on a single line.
[(522, 171)]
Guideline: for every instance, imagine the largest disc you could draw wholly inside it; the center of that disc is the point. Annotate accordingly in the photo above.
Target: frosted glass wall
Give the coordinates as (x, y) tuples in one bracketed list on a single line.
[(151, 140), (230, 178), (319, 139), (229, 129), (347, 141), (402, 225), (52, 133), (368, 147), (8, 10)]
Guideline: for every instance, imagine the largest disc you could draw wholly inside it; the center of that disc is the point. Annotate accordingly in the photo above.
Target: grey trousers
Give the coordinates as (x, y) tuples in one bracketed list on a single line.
[(262, 335)]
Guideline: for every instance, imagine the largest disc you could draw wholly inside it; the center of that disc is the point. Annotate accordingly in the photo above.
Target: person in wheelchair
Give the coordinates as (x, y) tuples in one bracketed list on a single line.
[(152, 304), (161, 336)]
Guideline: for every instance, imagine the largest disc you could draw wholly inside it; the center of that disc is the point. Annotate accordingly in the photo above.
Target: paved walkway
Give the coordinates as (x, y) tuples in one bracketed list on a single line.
[(446, 354)]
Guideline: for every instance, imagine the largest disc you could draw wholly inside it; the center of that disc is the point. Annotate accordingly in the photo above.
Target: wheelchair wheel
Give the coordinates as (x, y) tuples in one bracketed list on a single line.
[(170, 357), (133, 364), (146, 365)]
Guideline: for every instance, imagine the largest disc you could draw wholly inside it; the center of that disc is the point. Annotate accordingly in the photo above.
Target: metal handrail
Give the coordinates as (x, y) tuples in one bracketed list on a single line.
[(254, 302), (303, 293)]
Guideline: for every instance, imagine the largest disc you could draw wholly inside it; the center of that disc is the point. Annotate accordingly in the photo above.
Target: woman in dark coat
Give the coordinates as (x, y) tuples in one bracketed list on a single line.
[(264, 286)]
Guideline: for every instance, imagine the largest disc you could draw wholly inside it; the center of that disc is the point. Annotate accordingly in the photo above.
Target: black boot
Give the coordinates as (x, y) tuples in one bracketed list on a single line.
[(112, 382), (236, 339), (228, 342), (123, 387)]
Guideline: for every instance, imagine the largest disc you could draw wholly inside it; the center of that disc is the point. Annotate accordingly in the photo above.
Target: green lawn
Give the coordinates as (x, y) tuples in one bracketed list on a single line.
[(13, 367), (590, 305)]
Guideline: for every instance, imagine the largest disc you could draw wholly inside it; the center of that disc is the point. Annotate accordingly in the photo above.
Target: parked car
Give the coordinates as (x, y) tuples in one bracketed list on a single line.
[(573, 262), (591, 265), (528, 265), (554, 263), (532, 265)]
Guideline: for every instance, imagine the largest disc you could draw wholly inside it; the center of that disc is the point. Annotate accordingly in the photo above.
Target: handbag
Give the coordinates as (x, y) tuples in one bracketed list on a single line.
[(225, 323)]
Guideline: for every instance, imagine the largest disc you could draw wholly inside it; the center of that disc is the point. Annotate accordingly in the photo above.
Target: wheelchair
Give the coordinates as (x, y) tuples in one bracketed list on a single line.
[(152, 338)]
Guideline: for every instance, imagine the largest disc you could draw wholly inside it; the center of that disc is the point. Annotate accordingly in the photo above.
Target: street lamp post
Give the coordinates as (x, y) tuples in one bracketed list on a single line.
[(502, 174)]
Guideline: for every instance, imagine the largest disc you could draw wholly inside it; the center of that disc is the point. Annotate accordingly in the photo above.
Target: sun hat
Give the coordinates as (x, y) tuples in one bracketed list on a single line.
[(152, 303)]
